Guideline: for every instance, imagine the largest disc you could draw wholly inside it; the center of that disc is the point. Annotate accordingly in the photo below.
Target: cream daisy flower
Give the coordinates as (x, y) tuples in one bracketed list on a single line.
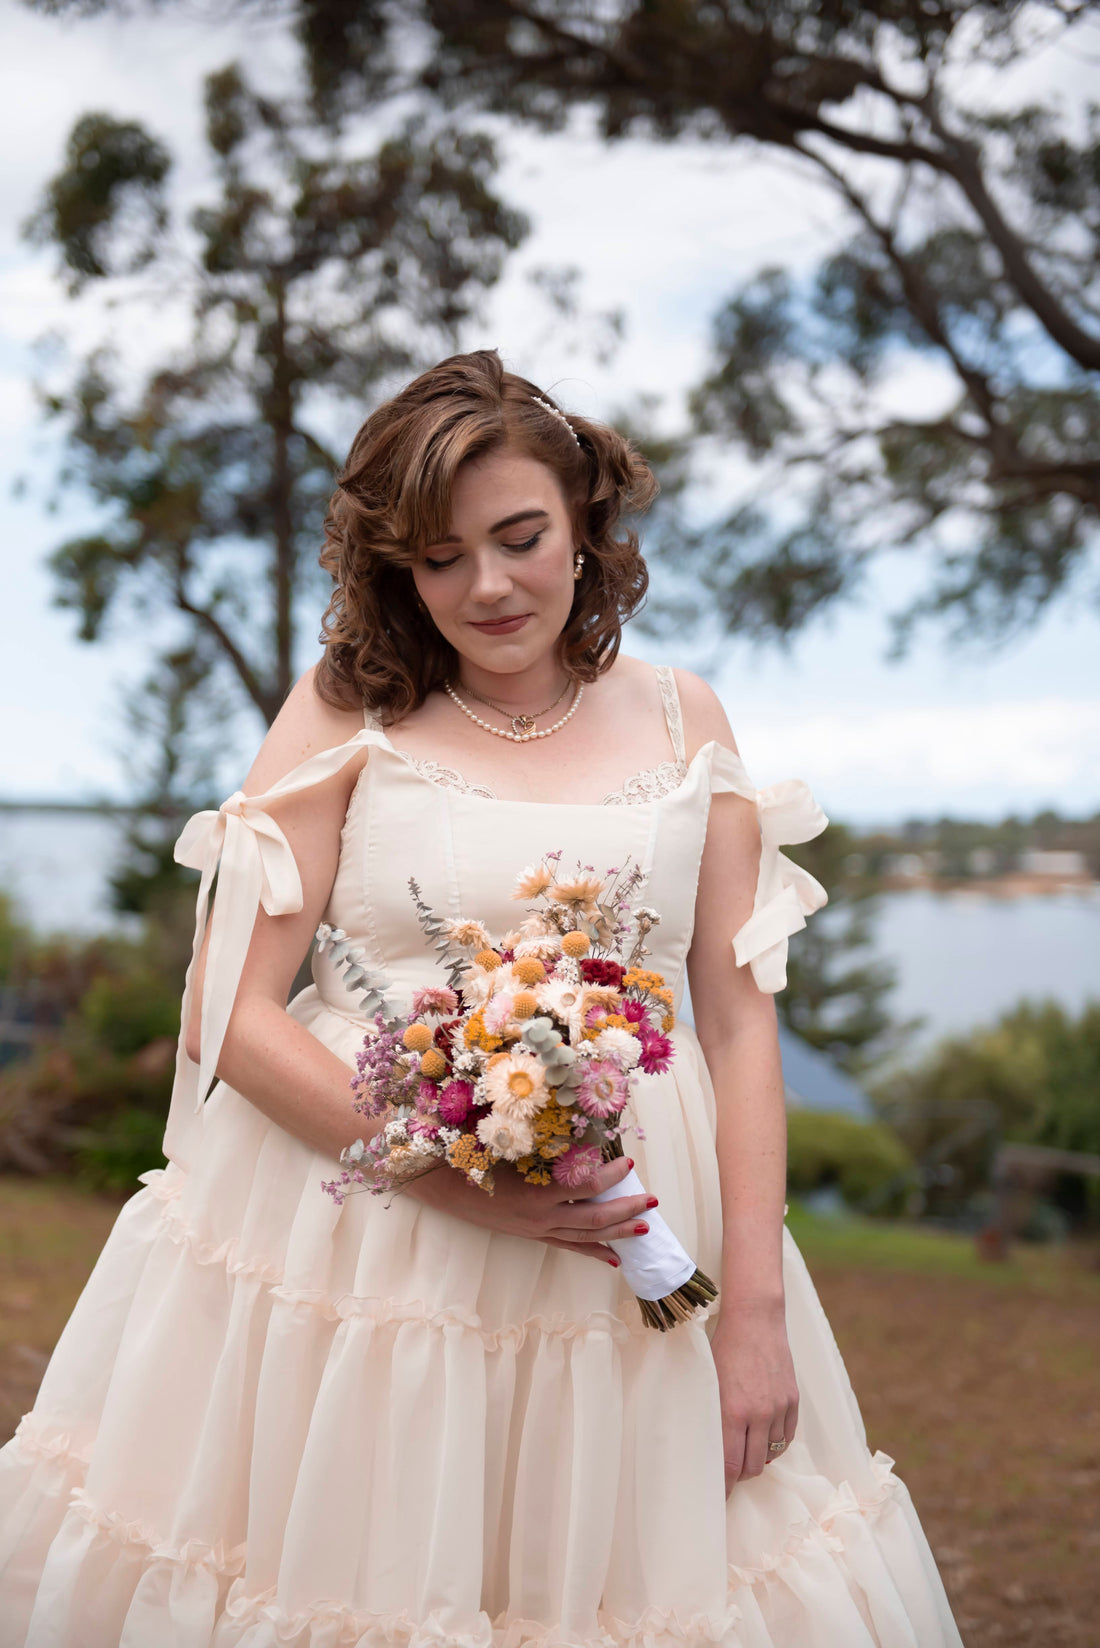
[(532, 882), (617, 1044), (515, 1085), (467, 935), (579, 896), (562, 998), (506, 1136)]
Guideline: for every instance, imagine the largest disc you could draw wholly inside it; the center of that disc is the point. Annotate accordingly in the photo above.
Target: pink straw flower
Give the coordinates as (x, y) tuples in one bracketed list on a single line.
[(657, 1052), (436, 999), (603, 1088), (576, 1165)]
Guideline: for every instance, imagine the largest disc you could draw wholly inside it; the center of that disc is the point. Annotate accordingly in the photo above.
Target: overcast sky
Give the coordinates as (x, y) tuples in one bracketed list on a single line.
[(663, 233)]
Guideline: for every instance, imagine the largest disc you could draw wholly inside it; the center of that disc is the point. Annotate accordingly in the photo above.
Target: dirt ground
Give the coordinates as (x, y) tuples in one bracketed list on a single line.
[(982, 1386)]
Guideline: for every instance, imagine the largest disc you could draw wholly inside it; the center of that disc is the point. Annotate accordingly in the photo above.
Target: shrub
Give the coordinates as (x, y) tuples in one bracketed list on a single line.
[(867, 1163), (124, 1012)]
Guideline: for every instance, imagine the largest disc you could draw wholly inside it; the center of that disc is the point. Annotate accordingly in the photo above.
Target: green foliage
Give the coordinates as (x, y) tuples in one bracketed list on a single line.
[(124, 1013), (114, 172), (836, 995), (865, 1161), (112, 1156), (106, 1014), (1033, 1077)]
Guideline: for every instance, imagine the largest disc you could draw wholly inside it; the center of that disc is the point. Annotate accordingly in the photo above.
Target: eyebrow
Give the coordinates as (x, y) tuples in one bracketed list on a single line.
[(509, 520)]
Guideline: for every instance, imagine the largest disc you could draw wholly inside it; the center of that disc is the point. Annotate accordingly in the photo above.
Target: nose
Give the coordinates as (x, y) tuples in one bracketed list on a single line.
[(492, 581)]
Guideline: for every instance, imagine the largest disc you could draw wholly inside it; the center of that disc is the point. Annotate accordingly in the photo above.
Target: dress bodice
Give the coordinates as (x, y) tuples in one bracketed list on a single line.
[(465, 848)]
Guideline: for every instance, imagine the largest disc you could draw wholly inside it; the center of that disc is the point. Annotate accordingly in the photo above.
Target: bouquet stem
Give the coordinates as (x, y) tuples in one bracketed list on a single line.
[(681, 1304)]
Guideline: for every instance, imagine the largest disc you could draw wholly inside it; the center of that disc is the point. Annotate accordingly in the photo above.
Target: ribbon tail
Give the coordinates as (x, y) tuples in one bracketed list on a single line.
[(236, 902)]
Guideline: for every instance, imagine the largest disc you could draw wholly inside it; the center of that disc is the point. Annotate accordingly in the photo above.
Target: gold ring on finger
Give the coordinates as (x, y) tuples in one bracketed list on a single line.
[(777, 1447)]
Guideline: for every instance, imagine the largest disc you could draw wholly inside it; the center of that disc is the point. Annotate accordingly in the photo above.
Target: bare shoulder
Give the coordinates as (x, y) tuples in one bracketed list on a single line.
[(704, 717), (304, 726)]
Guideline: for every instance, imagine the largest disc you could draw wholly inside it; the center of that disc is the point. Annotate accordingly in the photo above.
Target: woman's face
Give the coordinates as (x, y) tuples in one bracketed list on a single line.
[(500, 586)]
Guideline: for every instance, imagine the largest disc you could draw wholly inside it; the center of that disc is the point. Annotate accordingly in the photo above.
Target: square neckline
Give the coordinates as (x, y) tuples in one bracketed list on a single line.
[(670, 702)]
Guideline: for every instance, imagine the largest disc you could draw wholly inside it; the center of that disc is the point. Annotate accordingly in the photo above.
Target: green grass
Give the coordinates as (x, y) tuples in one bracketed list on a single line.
[(894, 1245)]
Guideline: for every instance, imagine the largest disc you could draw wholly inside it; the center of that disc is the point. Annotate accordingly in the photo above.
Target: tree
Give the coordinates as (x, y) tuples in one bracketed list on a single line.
[(973, 244), (836, 996), (317, 271)]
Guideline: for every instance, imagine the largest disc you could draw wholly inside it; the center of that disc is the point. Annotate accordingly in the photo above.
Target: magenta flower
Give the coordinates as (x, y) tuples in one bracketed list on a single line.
[(633, 1010), (603, 1088), (455, 1098), (576, 1165), (657, 1052)]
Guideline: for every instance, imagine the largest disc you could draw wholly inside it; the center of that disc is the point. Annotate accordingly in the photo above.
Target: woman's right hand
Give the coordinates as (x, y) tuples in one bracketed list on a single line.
[(560, 1215)]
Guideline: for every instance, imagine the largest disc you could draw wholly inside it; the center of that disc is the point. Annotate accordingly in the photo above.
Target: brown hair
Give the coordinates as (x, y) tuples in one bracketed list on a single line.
[(393, 497)]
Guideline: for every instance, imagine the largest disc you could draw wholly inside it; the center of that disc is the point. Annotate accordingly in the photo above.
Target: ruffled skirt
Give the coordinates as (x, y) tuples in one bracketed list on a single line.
[(270, 1420)]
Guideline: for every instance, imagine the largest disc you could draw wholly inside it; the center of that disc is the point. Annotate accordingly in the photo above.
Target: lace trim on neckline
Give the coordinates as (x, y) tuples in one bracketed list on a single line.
[(648, 785)]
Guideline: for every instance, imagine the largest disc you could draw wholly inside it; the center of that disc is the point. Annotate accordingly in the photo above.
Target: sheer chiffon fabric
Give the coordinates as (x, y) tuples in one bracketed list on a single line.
[(271, 1420)]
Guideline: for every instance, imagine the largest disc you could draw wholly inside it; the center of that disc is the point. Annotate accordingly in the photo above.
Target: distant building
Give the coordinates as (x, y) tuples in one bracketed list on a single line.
[(1063, 864), (811, 1081), (981, 861)]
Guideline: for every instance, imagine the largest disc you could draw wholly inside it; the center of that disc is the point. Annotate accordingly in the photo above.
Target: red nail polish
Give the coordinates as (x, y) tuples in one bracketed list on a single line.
[(651, 1201), (614, 1263), (641, 1229), (630, 1161)]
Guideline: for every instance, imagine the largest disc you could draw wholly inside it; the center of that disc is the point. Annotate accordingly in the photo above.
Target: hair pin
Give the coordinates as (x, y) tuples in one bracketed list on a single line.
[(561, 417)]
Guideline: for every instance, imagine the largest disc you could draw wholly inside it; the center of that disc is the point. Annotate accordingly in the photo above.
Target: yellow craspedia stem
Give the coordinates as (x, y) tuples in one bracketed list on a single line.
[(575, 943), (417, 1038), (524, 1005), (433, 1064), (528, 970), (487, 959)]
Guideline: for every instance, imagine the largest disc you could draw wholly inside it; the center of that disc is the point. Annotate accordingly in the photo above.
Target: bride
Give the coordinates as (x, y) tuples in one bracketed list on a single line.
[(437, 1420)]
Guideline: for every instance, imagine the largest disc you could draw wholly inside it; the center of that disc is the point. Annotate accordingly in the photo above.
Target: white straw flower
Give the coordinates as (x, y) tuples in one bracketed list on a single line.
[(617, 1044), (515, 1085), (506, 1136)]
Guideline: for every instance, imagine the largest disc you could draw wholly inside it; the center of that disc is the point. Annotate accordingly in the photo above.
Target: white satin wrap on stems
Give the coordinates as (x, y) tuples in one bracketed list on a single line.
[(254, 865), (785, 893), (655, 1265)]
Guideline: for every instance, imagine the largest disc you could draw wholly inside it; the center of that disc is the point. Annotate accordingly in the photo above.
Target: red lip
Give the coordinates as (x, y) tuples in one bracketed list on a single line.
[(502, 626)]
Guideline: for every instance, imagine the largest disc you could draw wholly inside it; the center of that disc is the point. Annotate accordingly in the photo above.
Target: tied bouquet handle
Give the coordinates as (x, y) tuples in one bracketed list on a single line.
[(528, 1055)]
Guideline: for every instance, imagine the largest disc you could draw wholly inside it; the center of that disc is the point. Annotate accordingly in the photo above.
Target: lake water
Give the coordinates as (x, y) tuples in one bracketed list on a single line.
[(961, 958)]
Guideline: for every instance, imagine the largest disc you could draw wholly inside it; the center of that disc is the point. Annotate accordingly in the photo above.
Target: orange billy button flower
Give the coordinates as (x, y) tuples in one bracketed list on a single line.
[(433, 1064), (524, 1005), (528, 970), (575, 944), (417, 1038), (487, 959)]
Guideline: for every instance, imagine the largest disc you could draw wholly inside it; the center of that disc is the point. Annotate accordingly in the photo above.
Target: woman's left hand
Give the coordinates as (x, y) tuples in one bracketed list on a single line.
[(756, 1384)]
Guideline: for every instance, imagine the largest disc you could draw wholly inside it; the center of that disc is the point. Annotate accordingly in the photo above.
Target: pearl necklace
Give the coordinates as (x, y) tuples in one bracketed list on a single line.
[(516, 737)]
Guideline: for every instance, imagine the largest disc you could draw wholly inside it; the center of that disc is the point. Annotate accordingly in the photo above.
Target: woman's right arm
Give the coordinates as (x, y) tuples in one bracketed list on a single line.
[(286, 1072)]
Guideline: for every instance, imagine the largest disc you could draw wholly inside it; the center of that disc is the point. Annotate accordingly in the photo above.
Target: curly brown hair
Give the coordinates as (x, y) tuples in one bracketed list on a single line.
[(393, 498)]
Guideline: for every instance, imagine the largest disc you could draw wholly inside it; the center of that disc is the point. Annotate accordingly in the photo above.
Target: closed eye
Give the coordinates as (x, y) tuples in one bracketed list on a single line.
[(528, 544)]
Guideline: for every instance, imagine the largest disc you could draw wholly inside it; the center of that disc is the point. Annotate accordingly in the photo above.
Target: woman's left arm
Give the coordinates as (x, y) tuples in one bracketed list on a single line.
[(736, 1026)]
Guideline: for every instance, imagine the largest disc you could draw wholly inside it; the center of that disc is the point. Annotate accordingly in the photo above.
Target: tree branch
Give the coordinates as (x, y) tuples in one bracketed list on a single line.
[(209, 621)]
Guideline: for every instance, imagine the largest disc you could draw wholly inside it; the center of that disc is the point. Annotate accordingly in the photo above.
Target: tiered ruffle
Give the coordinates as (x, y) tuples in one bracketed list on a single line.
[(272, 1421)]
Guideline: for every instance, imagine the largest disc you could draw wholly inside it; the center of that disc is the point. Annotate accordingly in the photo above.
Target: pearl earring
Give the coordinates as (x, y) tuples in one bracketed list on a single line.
[(578, 563)]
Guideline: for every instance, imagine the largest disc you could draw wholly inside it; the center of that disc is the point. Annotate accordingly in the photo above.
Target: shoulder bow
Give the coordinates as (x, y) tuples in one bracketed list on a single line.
[(785, 893), (252, 858)]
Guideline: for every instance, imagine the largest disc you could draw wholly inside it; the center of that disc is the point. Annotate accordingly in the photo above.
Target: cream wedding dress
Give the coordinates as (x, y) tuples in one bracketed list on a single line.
[(273, 1421)]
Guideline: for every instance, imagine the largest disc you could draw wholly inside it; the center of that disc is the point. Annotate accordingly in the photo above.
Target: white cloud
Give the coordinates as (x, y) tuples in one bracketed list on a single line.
[(982, 759)]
